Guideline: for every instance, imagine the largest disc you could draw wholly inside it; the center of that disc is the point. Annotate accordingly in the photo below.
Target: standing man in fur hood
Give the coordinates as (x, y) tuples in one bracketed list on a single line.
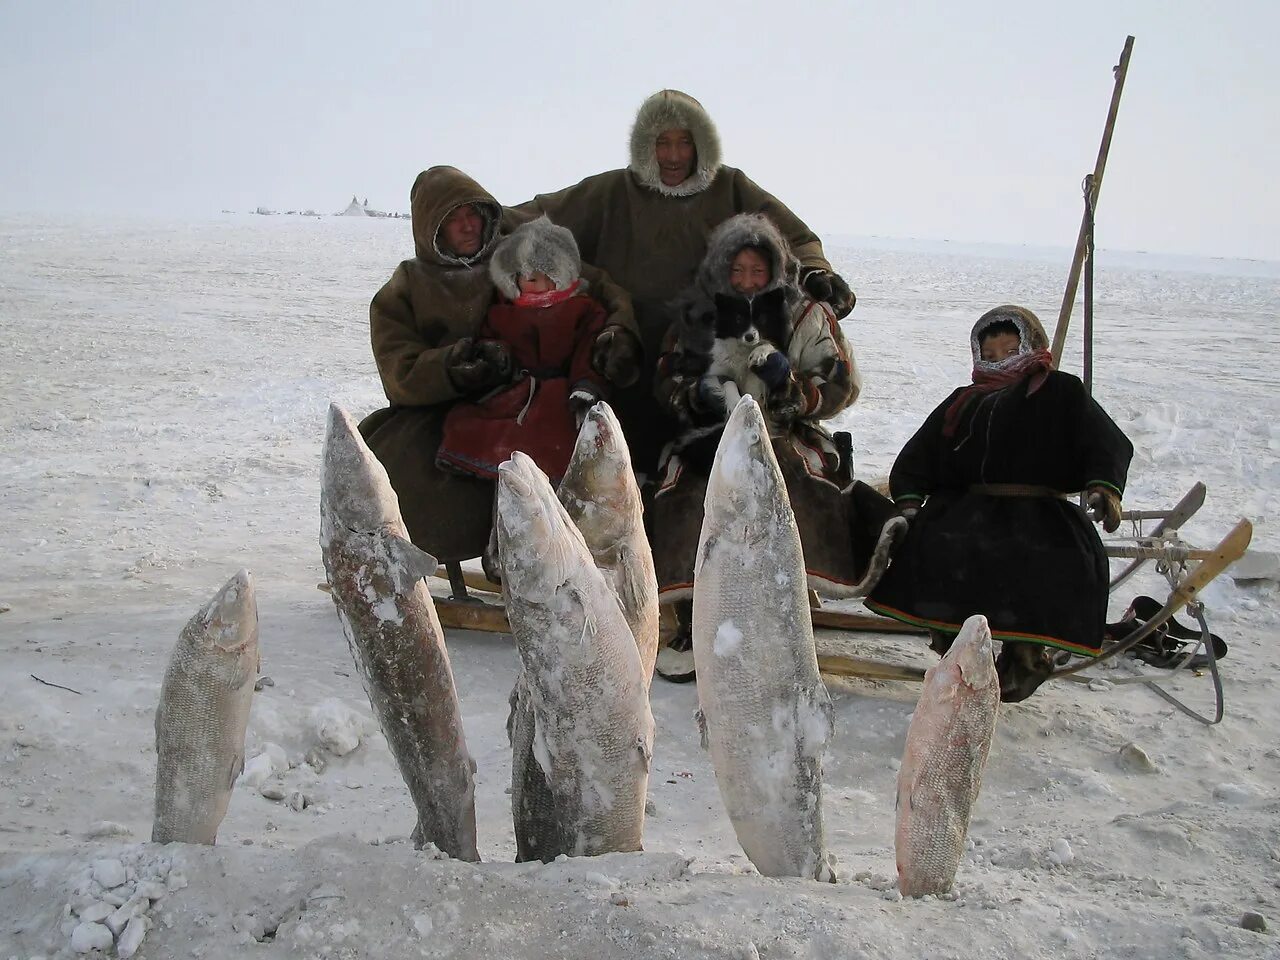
[(422, 325), (648, 224)]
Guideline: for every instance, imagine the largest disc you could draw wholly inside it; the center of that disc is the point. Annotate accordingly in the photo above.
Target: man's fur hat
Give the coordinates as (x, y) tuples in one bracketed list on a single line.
[(538, 246), (673, 110)]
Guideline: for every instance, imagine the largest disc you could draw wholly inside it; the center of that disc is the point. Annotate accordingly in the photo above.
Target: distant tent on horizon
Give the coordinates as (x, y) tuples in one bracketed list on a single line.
[(353, 209)]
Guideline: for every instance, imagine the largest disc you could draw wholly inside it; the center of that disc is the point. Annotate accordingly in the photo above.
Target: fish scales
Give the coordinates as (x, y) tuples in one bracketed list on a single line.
[(600, 493), (396, 639), (203, 714), (946, 751), (580, 707), (767, 718)]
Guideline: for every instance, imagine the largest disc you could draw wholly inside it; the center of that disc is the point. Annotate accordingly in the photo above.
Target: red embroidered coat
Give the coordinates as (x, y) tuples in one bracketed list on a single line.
[(551, 352)]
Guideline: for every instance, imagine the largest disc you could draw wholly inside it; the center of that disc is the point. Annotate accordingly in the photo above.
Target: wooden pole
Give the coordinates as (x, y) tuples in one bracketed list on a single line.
[(1073, 278)]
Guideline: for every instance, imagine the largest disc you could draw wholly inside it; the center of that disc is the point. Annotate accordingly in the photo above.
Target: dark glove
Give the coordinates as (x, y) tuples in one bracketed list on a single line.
[(472, 367), (829, 288), (775, 371), (786, 401), (706, 399), (616, 356), (498, 354), (1104, 507)]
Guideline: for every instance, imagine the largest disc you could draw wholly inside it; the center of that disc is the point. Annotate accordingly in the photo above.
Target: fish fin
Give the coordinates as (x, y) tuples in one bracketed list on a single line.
[(237, 768), (414, 561), (541, 751), (159, 721), (588, 622), (826, 872), (701, 718), (645, 751), (630, 587), (513, 702)]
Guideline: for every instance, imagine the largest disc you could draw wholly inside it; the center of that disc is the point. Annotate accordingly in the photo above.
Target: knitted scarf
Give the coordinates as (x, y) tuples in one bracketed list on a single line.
[(988, 378), (548, 299)]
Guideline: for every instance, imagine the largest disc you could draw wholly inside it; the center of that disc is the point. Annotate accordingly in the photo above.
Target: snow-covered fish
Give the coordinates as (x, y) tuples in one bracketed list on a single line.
[(600, 492), (765, 713), (946, 750), (203, 715), (582, 692), (395, 637)]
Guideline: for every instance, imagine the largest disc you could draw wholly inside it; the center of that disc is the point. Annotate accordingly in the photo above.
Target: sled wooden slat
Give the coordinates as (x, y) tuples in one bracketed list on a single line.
[(469, 618), (860, 622), (471, 615), (473, 579), (837, 665)]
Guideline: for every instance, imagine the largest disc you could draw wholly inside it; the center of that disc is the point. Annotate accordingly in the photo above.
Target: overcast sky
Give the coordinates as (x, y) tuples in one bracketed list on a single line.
[(966, 121)]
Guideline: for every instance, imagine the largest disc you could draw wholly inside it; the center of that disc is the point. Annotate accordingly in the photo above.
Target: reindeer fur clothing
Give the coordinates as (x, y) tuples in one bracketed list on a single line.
[(430, 303), (651, 238)]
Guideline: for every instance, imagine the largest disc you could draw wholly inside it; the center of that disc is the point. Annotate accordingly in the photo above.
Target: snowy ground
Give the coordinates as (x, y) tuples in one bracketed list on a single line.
[(165, 386)]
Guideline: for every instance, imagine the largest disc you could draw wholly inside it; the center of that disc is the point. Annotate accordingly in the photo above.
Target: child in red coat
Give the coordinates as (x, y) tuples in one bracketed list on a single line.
[(549, 326)]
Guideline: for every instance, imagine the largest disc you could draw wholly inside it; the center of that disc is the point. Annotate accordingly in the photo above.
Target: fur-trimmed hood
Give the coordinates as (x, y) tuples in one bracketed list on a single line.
[(673, 110), (538, 246), (435, 194), (728, 239), (1030, 331)]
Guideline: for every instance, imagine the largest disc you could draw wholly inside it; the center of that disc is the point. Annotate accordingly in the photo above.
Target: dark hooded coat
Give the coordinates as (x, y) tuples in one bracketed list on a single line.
[(1029, 560), (430, 303), (839, 520), (651, 238)]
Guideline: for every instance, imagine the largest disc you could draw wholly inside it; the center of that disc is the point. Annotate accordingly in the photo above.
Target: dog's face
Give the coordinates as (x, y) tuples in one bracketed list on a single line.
[(750, 321)]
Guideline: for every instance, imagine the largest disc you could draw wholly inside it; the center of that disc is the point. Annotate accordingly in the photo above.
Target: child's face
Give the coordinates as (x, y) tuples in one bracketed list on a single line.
[(536, 283), (749, 272), (1000, 346)]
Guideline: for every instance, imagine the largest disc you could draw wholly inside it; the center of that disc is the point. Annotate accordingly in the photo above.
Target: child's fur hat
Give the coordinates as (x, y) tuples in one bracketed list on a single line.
[(538, 246)]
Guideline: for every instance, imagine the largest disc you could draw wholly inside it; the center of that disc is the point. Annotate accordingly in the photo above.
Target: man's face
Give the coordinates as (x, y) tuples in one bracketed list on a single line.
[(676, 156), (463, 230)]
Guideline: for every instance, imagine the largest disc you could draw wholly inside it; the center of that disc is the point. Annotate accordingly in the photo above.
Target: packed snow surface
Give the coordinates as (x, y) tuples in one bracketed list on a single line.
[(165, 389)]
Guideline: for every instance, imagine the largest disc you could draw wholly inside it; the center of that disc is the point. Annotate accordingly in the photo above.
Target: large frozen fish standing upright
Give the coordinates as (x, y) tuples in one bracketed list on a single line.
[(203, 715), (395, 637), (941, 773), (600, 492), (766, 715), (582, 683)]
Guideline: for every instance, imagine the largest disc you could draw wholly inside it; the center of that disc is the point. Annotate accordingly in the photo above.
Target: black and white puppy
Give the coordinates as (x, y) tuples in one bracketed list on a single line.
[(746, 354), (742, 342)]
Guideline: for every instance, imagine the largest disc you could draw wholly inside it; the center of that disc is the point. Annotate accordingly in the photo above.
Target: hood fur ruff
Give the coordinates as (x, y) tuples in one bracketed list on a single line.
[(673, 110), (746, 230), (538, 246), (1030, 332)]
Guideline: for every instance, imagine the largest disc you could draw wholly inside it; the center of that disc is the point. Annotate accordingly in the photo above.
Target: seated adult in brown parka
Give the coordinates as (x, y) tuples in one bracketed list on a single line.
[(647, 225), (422, 324)]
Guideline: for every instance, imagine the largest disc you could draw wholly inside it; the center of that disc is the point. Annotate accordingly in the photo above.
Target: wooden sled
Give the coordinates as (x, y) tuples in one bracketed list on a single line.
[(1187, 570), (463, 611)]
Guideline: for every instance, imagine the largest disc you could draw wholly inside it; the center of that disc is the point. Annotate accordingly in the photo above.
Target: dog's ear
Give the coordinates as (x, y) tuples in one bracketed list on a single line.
[(771, 315), (733, 315)]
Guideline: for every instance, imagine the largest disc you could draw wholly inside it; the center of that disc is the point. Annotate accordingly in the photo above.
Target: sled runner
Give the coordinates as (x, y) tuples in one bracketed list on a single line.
[(463, 611), (1149, 627)]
